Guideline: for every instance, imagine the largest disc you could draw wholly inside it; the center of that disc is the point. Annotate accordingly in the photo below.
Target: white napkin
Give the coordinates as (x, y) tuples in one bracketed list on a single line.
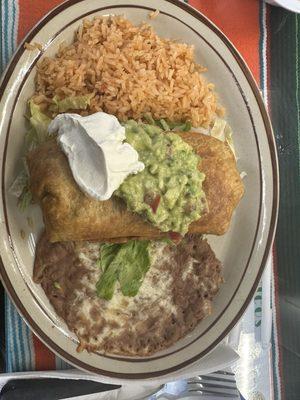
[(219, 358)]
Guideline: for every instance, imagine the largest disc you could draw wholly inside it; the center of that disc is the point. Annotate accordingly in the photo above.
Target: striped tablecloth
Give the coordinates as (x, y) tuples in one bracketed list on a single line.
[(267, 37)]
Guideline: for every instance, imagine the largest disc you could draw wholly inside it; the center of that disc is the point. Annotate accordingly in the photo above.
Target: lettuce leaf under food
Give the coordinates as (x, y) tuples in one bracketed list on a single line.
[(163, 123), (71, 103), (31, 139), (36, 134), (148, 117), (20, 188), (167, 125), (229, 138), (218, 129), (126, 263), (39, 123), (25, 199), (221, 130), (180, 126), (19, 183)]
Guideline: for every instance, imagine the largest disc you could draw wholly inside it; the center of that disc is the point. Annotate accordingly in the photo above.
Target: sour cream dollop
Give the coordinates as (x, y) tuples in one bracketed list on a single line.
[(98, 157)]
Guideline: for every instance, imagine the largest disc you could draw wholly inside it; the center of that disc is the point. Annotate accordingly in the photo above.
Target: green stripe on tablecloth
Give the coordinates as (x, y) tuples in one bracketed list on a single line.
[(285, 117)]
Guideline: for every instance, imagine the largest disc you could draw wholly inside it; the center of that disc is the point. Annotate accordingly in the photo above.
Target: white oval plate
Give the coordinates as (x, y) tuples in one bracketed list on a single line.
[(243, 250)]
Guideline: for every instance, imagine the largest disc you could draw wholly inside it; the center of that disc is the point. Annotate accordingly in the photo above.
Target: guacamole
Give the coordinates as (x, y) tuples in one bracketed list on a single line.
[(168, 192)]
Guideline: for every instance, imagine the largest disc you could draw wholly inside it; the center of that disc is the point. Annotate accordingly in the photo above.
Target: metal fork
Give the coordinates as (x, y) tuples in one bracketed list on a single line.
[(219, 385)]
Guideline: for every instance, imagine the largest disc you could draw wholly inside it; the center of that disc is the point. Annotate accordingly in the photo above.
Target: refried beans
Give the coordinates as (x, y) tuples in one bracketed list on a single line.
[(175, 295)]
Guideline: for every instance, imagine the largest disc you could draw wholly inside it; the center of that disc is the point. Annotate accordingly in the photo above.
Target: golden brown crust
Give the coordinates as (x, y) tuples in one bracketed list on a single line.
[(223, 185), (71, 215)]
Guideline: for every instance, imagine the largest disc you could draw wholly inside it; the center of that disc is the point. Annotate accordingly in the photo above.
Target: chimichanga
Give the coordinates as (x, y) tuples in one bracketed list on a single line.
[(69, 214)]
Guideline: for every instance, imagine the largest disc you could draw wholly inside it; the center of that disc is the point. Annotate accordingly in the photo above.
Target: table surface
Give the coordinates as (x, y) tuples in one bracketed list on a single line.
[(279, 42)]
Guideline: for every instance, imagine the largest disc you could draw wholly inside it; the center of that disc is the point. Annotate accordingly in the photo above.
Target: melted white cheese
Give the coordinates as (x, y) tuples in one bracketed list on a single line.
[(98, 157)]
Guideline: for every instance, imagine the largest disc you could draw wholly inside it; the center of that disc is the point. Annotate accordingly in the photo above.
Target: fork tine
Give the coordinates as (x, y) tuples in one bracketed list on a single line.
[(212, 377), (215, 393), (220, 383), (205, 385), (215, 385)]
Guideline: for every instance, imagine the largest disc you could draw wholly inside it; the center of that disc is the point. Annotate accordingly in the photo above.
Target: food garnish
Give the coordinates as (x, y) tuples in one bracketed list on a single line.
[(170, 182), (125, 263)]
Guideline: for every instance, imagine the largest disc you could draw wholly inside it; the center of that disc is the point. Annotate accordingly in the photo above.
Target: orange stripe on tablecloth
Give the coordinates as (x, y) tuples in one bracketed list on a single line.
[(239, 20), (44, 358), (31, 11)]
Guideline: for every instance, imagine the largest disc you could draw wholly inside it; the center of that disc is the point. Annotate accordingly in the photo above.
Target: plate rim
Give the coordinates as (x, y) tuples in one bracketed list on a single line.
[(275, 200)]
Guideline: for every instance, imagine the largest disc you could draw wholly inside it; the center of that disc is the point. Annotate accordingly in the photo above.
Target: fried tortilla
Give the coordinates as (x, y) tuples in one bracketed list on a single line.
[(69, 214), (176, 293)]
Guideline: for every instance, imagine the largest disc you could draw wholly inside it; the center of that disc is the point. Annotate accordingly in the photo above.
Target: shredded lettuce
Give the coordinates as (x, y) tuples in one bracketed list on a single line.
[(71, 103), (20, 189), (222, 131), (200, 129), (36, 134), (19, 183), (126, 263), (229, 138), (39, 123), (25, 199), (31, 139), (149, 119), (167, 125), (218, 129), (181, 126)]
